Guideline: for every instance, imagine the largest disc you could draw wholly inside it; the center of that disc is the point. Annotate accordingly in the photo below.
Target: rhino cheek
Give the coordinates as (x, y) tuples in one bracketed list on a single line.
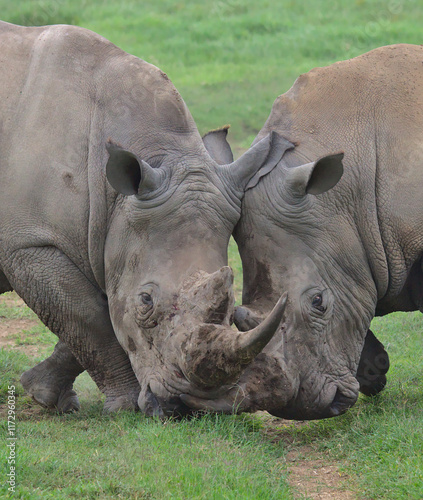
[(269, 383), (124, 330), (130, 337)]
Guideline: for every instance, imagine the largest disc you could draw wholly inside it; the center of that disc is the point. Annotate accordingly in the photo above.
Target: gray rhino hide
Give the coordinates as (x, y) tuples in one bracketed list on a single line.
[(115, 223), (342, 237)]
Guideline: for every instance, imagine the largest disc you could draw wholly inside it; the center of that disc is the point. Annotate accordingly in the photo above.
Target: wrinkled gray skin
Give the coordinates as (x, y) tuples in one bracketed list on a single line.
[(115, 223), (342, 237)]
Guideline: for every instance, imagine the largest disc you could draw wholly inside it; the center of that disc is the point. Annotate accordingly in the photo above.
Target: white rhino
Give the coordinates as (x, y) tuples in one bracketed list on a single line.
[(115, 223), (343, 237)]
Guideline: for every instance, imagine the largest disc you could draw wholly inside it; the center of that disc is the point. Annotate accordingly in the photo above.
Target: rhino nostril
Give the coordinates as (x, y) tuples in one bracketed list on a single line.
[(244, 319)]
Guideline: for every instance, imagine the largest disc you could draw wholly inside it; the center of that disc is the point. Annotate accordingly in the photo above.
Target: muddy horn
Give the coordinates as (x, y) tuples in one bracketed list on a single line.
[(219, 354)]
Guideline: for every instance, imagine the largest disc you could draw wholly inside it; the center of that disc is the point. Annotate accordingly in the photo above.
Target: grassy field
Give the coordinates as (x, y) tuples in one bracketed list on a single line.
[(377, 447), (229, 59)]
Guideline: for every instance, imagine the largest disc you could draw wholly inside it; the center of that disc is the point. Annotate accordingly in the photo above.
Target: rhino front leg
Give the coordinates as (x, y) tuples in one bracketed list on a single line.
[(73, 308), (50, 382), (373, 366)]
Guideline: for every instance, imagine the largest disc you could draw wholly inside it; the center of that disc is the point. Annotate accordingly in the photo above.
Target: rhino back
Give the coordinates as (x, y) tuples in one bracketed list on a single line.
[(65, 91), (373, 92), (369, 107)]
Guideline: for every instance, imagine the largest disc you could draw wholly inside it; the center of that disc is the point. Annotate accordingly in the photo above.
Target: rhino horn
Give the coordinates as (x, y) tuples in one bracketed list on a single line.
[(218, 354), (254, 341)]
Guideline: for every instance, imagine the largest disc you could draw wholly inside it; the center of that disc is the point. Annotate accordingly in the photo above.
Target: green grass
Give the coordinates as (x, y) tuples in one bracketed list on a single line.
[(229, 59), (235, 263), (380, 440), (378, 443), (15, 311), (39, 335), (127, 456)]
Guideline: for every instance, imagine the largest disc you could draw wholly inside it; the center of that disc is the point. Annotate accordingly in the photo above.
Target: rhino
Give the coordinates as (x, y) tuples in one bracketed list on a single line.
[(115, 223), (337, 225)]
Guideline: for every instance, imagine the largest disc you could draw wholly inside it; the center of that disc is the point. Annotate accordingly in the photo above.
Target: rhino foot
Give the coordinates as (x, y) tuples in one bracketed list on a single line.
[(48, 392), (126, 402), (68, 401)]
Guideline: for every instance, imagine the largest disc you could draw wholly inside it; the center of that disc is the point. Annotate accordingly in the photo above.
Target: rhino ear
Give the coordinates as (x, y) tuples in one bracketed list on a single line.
[(217, 145), (317, 177), (128, 174), (258, 161)]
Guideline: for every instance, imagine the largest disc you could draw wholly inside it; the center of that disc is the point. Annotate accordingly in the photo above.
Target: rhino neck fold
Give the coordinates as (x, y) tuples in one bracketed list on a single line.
[(98, 198)]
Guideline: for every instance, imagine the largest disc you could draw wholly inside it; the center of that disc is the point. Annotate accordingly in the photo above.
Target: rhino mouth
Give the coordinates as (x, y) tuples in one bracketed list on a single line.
[(332, 401), (171, 407), (341, 403), (162, 398), (153, 405)]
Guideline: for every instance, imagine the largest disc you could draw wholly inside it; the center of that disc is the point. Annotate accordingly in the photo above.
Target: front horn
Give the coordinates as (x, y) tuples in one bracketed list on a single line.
[(217, 355)]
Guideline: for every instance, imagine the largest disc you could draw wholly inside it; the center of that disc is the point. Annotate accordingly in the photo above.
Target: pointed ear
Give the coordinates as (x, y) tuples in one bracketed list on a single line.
[(128, 174), (317, 177), (258, 161), (217, 145)]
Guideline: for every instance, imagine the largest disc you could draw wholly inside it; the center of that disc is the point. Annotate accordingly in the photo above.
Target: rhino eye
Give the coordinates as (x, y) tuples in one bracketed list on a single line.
[(146, 299), (317, 303)]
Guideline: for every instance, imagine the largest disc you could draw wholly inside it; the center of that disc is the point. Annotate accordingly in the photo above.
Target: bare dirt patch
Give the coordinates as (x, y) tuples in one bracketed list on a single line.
[(316, 477), (12, 300), (11, 328), (311, 474), (26, 412)]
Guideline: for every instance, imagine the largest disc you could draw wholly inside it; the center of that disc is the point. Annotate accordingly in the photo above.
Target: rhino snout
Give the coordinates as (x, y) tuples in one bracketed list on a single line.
[(216, 355), (333, 400), (161, 406)]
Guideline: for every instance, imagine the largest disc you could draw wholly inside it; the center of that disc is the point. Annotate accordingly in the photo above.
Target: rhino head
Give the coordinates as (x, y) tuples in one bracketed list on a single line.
[(295, 238), (310, 248), (168, 285)]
